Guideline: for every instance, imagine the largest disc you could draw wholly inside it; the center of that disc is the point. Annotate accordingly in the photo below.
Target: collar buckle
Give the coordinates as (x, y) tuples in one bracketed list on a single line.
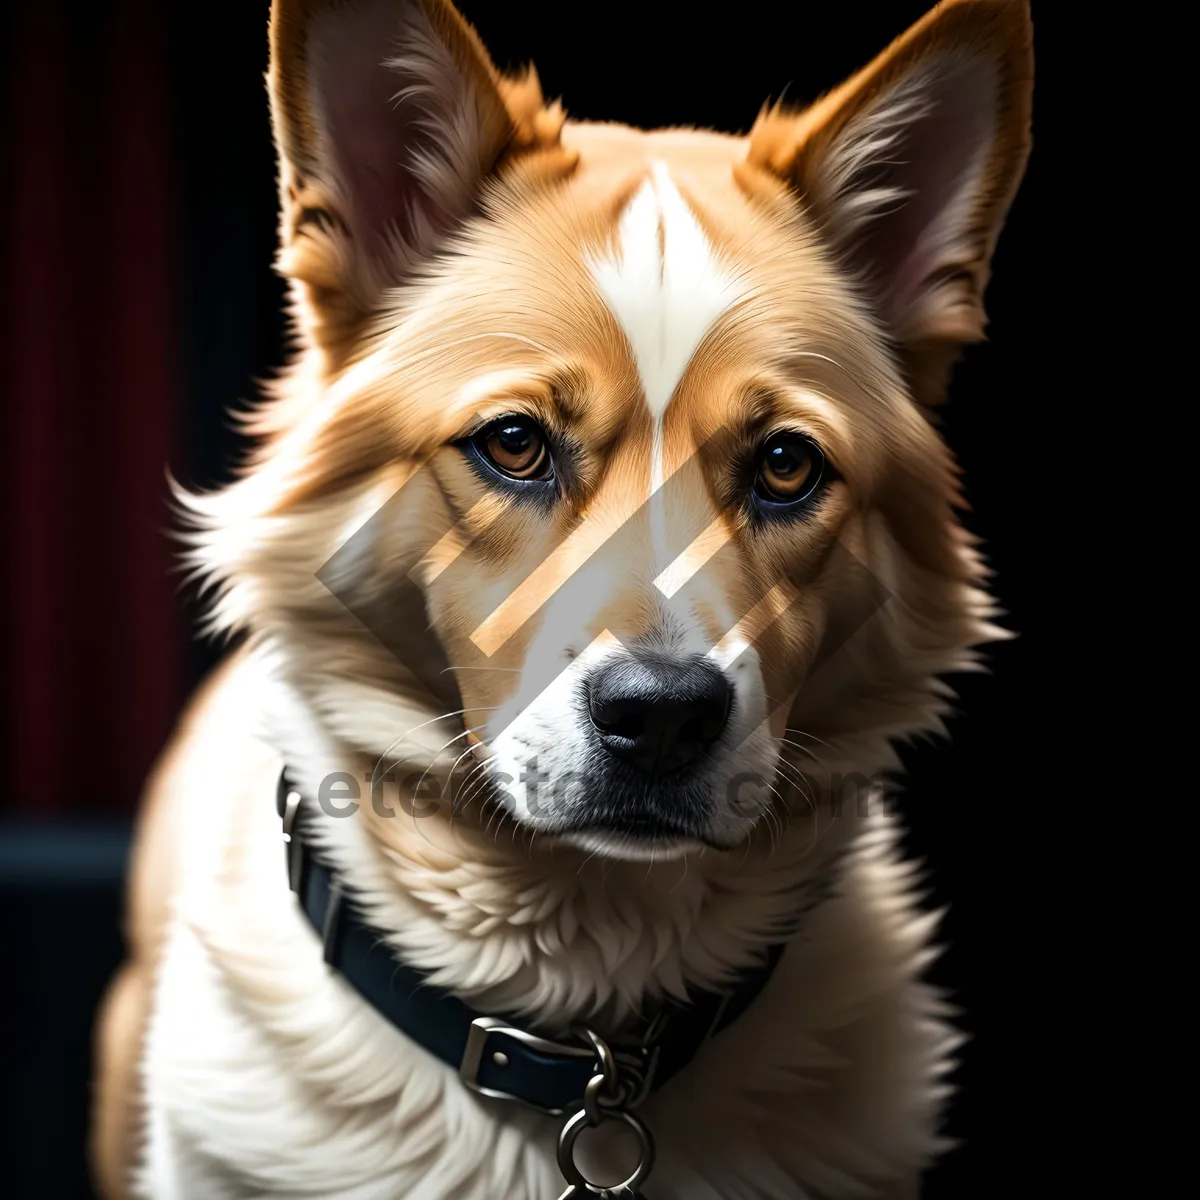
[(484, 1029)]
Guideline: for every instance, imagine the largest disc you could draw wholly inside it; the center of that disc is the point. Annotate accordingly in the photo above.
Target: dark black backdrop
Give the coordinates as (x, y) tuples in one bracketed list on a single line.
[(1044, 819)]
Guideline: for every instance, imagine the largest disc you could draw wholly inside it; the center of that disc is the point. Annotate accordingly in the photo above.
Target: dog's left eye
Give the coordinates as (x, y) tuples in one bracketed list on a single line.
[(791, 469), (516, 447)]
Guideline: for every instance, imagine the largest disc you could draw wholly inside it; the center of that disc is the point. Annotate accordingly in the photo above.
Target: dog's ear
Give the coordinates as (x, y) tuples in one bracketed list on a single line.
[(910, 167), (388, 117)]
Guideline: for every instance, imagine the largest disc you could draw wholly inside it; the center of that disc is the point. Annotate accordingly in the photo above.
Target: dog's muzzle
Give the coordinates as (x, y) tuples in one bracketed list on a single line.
[(651, 721)]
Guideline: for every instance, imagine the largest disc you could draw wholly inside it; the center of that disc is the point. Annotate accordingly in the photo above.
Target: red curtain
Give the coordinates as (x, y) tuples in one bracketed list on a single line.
[(95, 650)]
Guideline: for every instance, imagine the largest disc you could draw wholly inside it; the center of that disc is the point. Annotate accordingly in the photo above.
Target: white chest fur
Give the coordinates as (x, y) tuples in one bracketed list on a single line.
[(266, 1075)]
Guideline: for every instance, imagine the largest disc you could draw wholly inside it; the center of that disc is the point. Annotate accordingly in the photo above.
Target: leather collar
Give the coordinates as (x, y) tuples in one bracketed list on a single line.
[(494, 1054)]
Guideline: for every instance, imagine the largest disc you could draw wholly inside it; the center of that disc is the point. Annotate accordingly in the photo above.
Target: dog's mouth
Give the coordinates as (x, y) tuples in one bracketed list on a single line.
[(625, 807), (616, 817), (648, 837), (634, 753)]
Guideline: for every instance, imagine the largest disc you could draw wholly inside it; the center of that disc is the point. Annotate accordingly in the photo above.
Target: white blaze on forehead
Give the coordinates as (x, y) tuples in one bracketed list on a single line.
[(665, 285)]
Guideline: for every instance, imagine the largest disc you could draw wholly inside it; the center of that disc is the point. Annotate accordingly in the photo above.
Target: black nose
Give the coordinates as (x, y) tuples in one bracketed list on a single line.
[(658, 713)]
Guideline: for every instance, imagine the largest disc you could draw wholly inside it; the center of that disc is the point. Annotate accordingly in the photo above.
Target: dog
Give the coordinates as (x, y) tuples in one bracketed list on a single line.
[(600, 530)]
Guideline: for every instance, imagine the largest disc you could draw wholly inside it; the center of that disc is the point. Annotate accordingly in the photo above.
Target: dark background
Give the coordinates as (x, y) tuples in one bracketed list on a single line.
[(138, 228)]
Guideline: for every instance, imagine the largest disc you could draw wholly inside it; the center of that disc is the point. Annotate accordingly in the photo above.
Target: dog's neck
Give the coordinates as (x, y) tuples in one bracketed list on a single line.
[(570, 931), (524, 925)]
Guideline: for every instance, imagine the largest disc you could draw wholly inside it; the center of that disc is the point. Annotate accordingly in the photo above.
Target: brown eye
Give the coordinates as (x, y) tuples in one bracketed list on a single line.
[(516, 447), (790, 469)]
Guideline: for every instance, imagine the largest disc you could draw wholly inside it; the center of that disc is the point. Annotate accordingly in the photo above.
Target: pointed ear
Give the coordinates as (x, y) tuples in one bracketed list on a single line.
[(388, 117), (910, 167)]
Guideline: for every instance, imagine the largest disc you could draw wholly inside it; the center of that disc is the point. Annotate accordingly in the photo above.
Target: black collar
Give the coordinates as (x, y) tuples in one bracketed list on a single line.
[(495, 1055)]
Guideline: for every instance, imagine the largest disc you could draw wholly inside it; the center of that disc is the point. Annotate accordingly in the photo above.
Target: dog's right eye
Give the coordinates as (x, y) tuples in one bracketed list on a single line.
[(517, 448)]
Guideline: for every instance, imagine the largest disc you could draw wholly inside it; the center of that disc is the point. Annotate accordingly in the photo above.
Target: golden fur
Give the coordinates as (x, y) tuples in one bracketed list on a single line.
[(478, 297)]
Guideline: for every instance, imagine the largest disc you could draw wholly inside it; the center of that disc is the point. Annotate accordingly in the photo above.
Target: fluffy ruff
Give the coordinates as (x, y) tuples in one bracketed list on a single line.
[(265, 1074)]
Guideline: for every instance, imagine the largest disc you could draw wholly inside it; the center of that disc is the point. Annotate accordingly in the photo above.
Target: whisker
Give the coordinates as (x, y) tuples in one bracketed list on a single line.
[(811, 736), (454, 764), (376, 774), (408, 733), (509, 670), (455, 805), (586, 861), (682, 879), (797, 746), (797, 779), (465, 733), (479, 789), (650, 866), (774, 824)]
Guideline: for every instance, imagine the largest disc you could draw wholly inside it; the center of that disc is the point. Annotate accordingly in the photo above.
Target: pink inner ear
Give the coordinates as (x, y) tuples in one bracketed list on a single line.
[(932, 168), (370, 127)]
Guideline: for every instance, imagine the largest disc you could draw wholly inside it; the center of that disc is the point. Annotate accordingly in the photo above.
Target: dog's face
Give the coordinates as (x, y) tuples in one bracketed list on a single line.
[(637, 417)]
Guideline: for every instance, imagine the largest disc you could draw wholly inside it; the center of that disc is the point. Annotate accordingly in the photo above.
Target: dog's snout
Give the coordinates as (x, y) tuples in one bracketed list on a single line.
[(657, 713)]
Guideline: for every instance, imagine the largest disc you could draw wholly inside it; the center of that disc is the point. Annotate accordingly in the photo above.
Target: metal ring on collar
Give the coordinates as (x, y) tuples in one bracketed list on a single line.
[(577, 1180)]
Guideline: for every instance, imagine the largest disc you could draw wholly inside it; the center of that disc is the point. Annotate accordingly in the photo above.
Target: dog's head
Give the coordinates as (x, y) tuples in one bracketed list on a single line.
[(616, 445)]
